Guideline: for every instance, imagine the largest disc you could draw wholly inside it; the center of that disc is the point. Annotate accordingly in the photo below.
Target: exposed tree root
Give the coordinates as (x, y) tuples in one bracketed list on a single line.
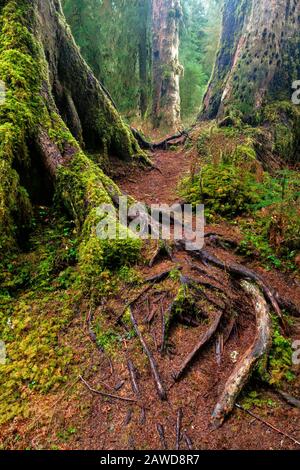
[(258, 349), (135, 387), (205, 338), (178, 428), (155, 373), (245, 273), (176, 139), (161, 433), (163, 249), (269, 425), (188, 441), (289, 399)]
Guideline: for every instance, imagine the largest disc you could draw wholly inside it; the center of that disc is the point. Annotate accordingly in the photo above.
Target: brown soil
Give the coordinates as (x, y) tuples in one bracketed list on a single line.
[(107, 426), (110, 424)]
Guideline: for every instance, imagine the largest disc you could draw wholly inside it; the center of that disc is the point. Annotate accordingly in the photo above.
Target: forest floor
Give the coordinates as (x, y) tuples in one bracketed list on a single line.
[(76, 418)]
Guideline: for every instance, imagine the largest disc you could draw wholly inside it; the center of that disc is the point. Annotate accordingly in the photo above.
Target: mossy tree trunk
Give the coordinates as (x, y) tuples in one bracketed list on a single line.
[(166, 67), (259, 57), (54, 109)]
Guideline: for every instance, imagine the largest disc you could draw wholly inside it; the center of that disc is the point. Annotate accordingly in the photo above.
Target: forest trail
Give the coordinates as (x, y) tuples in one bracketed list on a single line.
[(153, 424)]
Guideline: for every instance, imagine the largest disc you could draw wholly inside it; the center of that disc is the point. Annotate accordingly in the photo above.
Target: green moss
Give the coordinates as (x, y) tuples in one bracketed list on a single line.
[(277, 368), (35, 307), (284, 120)]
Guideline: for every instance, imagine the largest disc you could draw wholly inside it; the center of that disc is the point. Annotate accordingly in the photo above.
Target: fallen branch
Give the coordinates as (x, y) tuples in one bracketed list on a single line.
[(269, 425), (257, 350), (107, 395), (205, 338), (155, 373), (163, 144)]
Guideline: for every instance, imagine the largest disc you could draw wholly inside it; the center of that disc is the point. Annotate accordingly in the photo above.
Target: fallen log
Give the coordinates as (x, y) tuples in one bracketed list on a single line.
[(155, 373), (205, 338), (244, 368)]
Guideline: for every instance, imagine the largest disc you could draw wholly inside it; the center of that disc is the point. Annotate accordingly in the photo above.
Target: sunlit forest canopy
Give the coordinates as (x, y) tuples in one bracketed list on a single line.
[(116, 39)]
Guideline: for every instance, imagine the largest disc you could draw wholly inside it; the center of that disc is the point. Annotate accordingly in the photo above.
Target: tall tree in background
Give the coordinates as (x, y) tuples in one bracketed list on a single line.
[(117, 37), (52, 96), (199, 40), (144, 15), (166, 67), (259, 57)]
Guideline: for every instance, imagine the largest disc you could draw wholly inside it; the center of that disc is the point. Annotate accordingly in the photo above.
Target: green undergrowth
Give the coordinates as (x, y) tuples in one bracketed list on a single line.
[(40, 289), (231, 183), (36, 305), (277, 367)]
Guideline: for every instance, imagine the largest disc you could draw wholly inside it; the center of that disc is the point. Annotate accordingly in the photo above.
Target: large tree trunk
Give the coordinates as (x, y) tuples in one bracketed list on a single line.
[(143, 55), (50, 92), (259, 56), (166, 67)]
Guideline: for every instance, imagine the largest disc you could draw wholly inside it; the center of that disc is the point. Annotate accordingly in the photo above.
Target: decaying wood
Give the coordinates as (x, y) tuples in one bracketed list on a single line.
[(107, 395), (257, 350), (155, 373), (163, 144), (205, 338), (269, 425)]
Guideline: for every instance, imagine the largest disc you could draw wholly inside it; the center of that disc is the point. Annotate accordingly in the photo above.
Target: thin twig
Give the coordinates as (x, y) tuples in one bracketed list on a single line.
[(107, 395), (268, 424)]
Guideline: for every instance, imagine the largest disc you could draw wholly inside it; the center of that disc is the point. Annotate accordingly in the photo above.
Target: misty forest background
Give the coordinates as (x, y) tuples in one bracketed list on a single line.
[(115, 38)]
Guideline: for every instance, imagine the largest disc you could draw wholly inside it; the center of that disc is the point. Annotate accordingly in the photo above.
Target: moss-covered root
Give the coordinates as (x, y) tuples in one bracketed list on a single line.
[(36, 141), (80, 98)]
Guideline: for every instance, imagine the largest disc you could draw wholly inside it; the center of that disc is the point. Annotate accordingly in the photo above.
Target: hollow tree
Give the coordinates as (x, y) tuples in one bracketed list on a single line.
[(166, 66), (54, 108)]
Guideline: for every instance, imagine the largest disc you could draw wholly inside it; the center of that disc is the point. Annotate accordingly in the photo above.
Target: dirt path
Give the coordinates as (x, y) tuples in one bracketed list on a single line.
[(158, 185), (117, 425)]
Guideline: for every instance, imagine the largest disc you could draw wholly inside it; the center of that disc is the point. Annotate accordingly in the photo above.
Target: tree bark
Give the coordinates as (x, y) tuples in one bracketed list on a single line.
[(143, 56), (54, 108), (259, 56), (166, 66)]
